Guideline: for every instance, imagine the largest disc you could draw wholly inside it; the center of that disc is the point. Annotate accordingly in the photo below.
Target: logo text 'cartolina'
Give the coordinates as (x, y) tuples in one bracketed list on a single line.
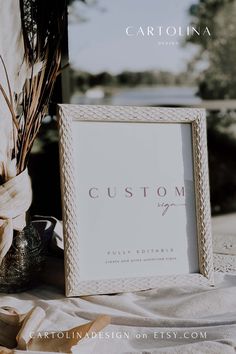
[(169, 31)]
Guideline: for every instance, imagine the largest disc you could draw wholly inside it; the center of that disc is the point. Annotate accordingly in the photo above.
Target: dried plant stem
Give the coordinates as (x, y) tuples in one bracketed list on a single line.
[(42, 28)]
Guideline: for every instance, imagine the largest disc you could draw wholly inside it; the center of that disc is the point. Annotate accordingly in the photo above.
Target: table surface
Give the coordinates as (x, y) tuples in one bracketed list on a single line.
[(170, 320)]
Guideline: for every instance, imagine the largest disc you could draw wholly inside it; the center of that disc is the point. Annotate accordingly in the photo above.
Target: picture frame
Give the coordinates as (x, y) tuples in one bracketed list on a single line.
[(91, 139)]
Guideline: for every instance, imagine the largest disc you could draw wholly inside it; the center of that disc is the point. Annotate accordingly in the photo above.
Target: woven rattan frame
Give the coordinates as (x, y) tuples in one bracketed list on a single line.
[(67, 114)]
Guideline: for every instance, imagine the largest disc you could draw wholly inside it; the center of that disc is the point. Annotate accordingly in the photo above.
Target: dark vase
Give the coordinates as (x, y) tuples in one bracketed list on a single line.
[(22, 264)]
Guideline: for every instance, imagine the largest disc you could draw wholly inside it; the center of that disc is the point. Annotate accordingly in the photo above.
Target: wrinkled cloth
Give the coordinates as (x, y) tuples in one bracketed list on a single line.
[(15, 200), (158, 321), (174, 311), (20, 330)]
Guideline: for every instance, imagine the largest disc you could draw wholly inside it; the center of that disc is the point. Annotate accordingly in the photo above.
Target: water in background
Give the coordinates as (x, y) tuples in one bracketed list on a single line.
[(144, 96)]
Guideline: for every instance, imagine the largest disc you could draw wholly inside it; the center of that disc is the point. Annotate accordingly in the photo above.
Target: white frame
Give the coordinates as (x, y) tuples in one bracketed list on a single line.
[(67, 114)]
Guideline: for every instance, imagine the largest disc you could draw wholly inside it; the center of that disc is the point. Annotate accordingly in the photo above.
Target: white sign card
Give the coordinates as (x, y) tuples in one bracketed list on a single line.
[(134, 197)]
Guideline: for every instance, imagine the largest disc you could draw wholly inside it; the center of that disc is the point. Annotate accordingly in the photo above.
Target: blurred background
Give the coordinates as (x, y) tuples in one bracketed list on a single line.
[(108, 67)]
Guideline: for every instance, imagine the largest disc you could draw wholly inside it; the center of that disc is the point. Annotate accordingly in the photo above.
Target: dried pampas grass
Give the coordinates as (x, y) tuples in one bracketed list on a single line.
[(30, 57)]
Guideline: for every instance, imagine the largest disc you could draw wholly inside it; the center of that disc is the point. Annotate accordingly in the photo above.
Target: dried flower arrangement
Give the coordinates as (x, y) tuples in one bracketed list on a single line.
[(42, 29), (30, 48)]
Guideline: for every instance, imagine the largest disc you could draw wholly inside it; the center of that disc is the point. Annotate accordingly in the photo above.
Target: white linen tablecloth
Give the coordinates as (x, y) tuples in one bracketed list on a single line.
[(155, 321), (175, 320)]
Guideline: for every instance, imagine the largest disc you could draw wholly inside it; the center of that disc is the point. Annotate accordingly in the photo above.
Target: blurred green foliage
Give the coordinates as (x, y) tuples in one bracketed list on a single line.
[(82, 81), (218, 81), (70, 1)]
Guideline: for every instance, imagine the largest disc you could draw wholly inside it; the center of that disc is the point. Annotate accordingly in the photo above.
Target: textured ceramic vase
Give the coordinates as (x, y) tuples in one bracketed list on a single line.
[(20, 267)]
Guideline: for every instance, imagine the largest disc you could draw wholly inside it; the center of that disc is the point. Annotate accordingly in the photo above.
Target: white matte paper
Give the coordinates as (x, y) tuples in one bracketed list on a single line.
[(136, 202)]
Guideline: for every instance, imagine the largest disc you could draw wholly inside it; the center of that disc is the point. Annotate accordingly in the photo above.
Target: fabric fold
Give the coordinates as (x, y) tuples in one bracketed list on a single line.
[(23, 332), (15, 200)]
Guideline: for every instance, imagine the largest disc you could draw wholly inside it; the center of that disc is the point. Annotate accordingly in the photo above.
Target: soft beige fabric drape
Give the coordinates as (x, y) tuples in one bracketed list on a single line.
[(21, 331), (15, 200)]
